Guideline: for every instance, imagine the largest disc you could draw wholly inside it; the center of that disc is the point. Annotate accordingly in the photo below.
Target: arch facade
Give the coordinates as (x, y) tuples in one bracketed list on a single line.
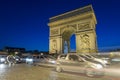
[(81, 22)]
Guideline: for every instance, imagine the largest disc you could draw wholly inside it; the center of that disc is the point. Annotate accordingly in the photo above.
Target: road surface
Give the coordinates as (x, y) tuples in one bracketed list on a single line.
[(30, 72)]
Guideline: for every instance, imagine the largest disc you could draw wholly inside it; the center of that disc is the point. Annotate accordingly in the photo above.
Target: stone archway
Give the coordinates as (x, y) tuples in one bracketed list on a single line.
[(66, 34), (80, 22)]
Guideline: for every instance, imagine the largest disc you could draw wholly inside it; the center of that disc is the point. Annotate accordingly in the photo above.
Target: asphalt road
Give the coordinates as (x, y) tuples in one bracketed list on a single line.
[(30, 72)]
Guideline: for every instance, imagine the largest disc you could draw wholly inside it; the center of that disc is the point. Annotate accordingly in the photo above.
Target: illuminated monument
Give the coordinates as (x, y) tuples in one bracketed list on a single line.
[(81, 22)]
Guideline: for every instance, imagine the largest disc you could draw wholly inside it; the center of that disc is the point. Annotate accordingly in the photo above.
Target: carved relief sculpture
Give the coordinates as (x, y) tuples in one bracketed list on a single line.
[(54, 46), (85, 42)]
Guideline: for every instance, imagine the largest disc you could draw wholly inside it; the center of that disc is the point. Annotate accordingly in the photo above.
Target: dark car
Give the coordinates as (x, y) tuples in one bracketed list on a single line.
[(18, 59)]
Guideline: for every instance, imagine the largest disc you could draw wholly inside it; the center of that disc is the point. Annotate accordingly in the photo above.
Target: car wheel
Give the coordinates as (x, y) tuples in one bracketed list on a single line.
[(58, 69), (90, 72)]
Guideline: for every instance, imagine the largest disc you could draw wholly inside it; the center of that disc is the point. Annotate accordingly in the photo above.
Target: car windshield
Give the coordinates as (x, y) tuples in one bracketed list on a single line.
[(89, 56), (86, 58)]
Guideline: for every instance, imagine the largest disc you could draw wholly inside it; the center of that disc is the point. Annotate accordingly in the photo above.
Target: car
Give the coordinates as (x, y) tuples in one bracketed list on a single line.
[(3, 59), (23, 59), (29, 60), (18, 59), (89, 57), (46, 60), (74, 63)]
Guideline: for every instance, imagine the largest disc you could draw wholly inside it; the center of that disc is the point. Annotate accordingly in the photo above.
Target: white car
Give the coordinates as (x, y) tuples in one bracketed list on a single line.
[(29, 60), (74, 63), (92, 58), (2, 58)]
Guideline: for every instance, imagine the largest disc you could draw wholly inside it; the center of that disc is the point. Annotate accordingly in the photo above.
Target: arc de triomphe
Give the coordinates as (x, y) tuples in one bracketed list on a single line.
[(81, 22)]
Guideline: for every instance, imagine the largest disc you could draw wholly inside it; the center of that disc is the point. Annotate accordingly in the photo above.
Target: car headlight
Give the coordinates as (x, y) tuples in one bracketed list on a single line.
[(29, 60), (96, 66), (99, 66), (52, 61), (2, 59), (17, 59)]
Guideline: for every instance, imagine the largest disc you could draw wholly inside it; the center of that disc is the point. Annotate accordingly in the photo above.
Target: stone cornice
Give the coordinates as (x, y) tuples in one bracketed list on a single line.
[(56, 36), (72, 16), (73, 19)]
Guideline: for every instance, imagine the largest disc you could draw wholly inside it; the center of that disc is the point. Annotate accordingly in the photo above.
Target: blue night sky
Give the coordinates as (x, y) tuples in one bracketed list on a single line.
[(23, 23)]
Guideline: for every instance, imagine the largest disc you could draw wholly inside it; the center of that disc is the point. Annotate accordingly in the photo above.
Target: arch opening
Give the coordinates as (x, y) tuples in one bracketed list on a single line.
[(73, 43)]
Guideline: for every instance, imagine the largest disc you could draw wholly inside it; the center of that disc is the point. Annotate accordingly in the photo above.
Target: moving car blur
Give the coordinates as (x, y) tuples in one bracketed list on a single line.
[(91, 58), (45, 60), (29, 60), (18, 59), (74, 63)]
